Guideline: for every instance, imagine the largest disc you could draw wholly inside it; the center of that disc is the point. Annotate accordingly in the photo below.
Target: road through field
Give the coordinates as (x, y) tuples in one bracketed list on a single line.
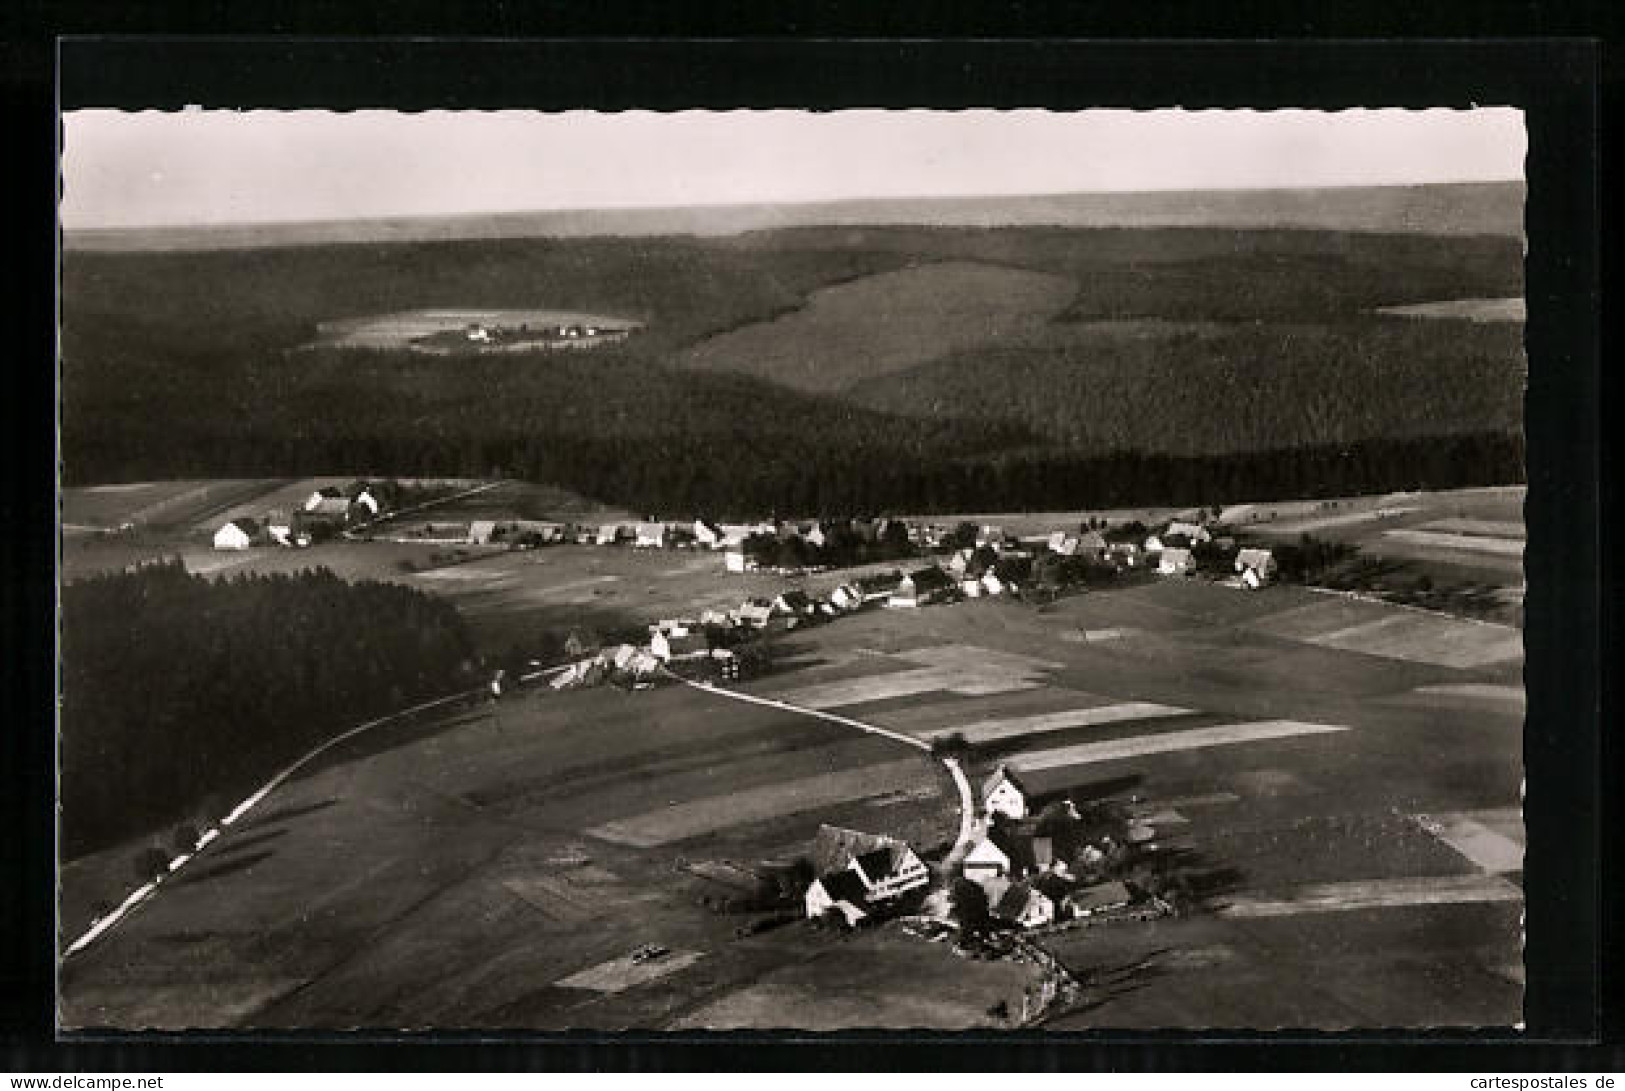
[(967, 802)]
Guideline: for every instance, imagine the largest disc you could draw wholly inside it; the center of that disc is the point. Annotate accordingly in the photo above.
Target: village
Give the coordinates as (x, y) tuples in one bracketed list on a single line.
[(1034, 860)]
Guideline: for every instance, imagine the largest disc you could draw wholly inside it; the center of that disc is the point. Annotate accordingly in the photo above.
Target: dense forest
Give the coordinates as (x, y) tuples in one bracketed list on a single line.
[(180, 692), (1192, 366)]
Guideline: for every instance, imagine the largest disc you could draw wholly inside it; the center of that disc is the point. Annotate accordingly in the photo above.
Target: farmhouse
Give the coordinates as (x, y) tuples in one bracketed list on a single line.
[(1100, 898), (886, 867), (921, 588), (991, 536), (707, 535), (1022, 905), (1063, 543), (793, 603), (279, 528), (1003, 794), (364, 505), (481, 531), (1091, 544), (842, 892), (846, 597), (1177, 562), (651, 536), (1257, 567), (735, 561), (986, 860), (1191, 532), (666, 646), (878, 586), (971, 589), (609, 534), (991, 584), (1153, 544), (237, 534), (755, 613), (329, 498)]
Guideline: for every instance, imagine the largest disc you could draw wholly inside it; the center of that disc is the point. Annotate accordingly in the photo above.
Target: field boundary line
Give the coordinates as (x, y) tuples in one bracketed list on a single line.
[(967, 801), (152, 886), (1360, 596)]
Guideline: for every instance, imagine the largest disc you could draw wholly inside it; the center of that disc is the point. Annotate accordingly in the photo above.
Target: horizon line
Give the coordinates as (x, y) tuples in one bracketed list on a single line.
[(771, 203)]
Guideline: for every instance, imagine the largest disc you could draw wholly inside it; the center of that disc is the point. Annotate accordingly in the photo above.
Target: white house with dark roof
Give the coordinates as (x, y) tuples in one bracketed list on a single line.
[(984, 861), (842, 891), (1257, 567), (1004, 794), (1021, 904), (650, 536), (921, 588), (707, 535), (327, 495)]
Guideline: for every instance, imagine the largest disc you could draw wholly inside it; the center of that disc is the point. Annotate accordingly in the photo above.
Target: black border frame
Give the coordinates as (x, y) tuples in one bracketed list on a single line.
[(1573, 853)]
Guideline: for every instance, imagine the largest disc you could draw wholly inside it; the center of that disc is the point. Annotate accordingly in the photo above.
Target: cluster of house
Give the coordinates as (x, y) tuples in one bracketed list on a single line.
[(1023, 874), (1174, 548), (325, 511)]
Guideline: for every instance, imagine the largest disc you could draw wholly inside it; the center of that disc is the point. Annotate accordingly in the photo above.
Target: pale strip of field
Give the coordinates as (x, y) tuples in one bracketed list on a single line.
[(1486, 690), (971, 681), (969, 657), (134, 486), (1328, 615), (1425, 638), (929, 715), (620, 974), (1377, 894), (1470, 834), (702, 816), (1509, 309), (1487, 528), (1169, 742), (1020, 726), (1473, 543), (1296, 526)]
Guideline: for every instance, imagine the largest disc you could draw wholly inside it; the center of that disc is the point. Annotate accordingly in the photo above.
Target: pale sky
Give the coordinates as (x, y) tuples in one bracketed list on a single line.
[(215, 166)]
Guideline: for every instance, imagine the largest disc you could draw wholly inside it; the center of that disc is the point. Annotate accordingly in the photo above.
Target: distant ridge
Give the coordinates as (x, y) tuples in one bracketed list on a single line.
[(1466, 208)]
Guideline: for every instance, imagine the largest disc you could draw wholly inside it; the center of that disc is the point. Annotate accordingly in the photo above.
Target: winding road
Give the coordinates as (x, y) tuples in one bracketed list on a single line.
[(967, 801)]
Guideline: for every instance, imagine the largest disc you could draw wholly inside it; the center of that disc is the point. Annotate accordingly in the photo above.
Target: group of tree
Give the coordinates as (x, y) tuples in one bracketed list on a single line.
[(179, 691), (844, 546)]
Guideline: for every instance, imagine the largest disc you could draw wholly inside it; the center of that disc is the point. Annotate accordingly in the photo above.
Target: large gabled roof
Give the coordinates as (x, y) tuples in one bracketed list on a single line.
[(1003, 774), (835, 847)]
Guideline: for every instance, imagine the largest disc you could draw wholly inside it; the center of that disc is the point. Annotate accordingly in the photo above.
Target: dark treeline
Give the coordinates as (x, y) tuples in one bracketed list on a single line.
[(180, 692)]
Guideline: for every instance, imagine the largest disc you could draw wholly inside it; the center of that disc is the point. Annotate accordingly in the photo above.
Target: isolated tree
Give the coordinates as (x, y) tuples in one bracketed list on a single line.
[(968, 903)]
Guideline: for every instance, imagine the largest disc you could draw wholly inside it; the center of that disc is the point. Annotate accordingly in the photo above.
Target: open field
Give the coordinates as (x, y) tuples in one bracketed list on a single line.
[(159, 505), (404, 881), (888, 322)]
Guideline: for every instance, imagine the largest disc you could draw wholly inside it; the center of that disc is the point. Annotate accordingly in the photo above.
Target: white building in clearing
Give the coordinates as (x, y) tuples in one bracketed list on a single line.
[(1257, 567), (1004, 794), (650, 536), (707, 535), (237, 534), (1176, 562), (609, 534), (734, 561), (985, 861)]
